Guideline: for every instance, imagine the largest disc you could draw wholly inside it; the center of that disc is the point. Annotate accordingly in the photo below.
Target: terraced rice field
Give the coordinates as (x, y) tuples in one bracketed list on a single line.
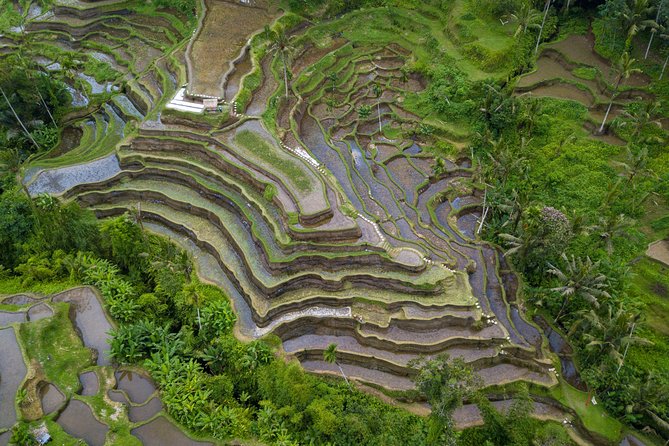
[(570, 69), (125, 394), (320, 227)]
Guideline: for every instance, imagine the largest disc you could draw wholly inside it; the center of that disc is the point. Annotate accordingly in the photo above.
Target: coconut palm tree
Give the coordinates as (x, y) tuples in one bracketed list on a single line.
[(649, 393), (520, 245), (636, 165), (579, 279), (664, 35), (610, 227), (612, 332), (543, 22), (625, 70), (10, 160), (526, 17), (25, 130), (281, 45), (566, 6), (655, 27), (504, 161), (635, 18), (193, 297), (330, 356), (640, 118), (509, 207)]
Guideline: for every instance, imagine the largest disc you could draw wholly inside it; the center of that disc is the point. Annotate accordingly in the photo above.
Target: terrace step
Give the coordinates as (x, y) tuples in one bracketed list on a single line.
[(286, 299), (226, 218), (306, 346), (492, 376), (326, 236)]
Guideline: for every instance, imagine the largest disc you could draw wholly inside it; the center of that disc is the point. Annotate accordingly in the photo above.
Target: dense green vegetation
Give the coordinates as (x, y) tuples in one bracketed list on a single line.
[(573, 213)]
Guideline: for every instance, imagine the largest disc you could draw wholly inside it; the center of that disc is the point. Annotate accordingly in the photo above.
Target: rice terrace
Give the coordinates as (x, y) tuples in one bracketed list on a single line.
[(327, 222)]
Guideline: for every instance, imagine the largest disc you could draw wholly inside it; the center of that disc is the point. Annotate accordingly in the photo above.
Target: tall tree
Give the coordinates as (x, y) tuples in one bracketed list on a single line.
[(25, 130), (526, 17), (611, 332), (654, 28), (330, 356), (547, 6), (193, 297), (281, 45), (579, 278), (635, 166), (664, 35), (640, 118), (445, 383), (625, 70), (635, 18), (611, 227)]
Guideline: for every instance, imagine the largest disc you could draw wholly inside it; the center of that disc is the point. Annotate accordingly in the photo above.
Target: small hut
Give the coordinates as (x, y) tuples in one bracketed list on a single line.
[(210, 104)]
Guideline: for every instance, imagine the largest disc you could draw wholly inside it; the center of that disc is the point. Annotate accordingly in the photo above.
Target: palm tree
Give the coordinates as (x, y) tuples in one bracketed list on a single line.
[(612, 332), (634, 18), (639, 118), (566, 7), (520, 245), (364, 111), (526, 17), (504, 161), (664, 35), (193, 297), (10, 160), (649, 392), (543, 22), (332, 77), (22, 63), (579, 278), (655, 27), (636, 165), (281, 45), (330, 356), (509, 207), (25, 130), (532, 111), (625, 70), (610, 227)]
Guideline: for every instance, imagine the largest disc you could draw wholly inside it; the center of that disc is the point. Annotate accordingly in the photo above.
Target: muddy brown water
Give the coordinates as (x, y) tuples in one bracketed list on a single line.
[(51, 398), (20, 299), (564, 91), (580, 49), (138, 387), (160, 432), (77, 420), (69, 139), (547, 68), (89, 319), (145, 411), (89, 383), (242, 67), (10, 317), (118, 396), (225, 30), (659, 251), (563, 350), (39, 311), (260, 97), (12, 372)]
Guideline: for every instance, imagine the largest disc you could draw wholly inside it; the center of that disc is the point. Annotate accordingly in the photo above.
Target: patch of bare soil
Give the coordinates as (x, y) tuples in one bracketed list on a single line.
[(659, 251)]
